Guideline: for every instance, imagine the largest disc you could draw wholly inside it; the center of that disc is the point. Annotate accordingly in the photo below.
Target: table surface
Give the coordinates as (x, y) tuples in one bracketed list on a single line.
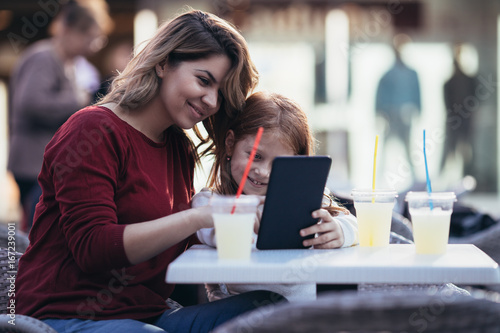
[(462, 264)]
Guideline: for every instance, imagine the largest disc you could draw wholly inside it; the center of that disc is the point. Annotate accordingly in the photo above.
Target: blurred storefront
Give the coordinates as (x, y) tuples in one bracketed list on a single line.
[(330, 57)]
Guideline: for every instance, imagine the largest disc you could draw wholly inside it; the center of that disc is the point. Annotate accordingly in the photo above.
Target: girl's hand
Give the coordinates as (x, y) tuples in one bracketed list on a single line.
[(330, 234), (256, 226)]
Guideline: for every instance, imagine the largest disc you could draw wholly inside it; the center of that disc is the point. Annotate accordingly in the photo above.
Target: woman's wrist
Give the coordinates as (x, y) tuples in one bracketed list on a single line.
[(201, 217)]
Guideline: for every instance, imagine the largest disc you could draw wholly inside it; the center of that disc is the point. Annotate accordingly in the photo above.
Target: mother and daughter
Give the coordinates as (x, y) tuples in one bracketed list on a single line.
[(117, 185)]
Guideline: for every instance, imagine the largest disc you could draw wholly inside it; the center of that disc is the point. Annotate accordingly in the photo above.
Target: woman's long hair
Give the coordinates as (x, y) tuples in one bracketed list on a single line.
[(190, 36)]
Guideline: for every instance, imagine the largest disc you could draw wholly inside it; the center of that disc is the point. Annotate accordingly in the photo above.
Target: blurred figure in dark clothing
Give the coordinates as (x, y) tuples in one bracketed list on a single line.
[(116, 58), (398, 97), (459, 92), (50, 82)]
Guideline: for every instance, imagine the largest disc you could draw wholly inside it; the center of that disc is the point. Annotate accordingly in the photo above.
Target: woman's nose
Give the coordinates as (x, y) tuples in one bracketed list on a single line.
[(211, 98)]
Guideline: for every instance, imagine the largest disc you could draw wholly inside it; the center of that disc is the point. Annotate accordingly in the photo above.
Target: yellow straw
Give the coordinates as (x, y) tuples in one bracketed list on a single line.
[(374, 166)]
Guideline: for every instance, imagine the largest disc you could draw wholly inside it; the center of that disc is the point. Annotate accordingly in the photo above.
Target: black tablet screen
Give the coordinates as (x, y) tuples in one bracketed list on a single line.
[(295, 190)]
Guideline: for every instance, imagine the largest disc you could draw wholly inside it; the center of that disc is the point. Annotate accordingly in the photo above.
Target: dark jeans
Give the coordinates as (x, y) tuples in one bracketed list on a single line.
[(197, 318), (29, 192)]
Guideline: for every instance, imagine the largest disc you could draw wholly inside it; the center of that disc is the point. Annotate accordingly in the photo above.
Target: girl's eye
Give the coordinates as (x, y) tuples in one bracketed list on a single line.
[(257, 156)]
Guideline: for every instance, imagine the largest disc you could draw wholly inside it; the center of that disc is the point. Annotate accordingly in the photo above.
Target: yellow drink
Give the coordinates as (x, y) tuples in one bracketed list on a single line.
[(430, 217), (374, 222), (431, 229), (233, 234)]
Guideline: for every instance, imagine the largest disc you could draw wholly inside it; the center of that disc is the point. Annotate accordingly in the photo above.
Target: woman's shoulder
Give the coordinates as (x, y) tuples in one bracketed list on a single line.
[(92, 124), (97, 117)]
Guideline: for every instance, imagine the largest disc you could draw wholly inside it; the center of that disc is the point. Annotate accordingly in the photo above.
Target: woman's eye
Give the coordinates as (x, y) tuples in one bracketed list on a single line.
[(204, 81), (257, 156)]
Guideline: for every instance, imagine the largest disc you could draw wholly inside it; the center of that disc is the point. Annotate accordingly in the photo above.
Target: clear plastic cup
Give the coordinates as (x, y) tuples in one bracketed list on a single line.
[(234, 230), (431, 227), (374, 214)]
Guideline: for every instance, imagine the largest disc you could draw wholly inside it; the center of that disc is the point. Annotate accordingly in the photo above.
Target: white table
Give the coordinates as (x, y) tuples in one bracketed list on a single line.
[(462, 264)]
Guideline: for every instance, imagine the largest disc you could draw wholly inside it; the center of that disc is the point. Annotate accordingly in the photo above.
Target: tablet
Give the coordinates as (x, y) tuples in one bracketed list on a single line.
[(295, 190)]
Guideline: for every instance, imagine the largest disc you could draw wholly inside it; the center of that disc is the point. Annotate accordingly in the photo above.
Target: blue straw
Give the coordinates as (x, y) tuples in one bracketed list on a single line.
[(429, 189)]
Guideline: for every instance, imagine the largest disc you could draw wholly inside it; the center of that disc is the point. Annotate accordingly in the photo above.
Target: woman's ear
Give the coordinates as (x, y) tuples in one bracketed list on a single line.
[(229, 142), (160, 69)]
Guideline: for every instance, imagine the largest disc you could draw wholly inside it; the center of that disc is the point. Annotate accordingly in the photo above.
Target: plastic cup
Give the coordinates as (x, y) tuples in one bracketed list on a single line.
[(234, 231), (374, 213), (431, 227)]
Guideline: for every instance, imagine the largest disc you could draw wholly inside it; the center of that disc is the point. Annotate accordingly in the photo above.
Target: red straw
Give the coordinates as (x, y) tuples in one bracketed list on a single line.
[(249, 164)]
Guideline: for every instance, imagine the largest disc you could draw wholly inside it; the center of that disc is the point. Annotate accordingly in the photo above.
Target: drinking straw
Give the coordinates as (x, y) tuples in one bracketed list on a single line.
[(429, 189), (374, 167), (249, 164)]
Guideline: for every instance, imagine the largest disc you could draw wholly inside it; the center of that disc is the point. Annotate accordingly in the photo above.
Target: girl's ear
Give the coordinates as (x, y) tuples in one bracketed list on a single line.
[(229, 142)]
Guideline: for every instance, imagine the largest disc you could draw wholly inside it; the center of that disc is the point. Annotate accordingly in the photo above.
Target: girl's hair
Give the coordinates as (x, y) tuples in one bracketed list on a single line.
[(277, 114), (193, 35)]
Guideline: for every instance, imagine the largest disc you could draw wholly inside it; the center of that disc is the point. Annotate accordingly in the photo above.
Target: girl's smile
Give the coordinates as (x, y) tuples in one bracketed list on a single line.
[(270, 146)]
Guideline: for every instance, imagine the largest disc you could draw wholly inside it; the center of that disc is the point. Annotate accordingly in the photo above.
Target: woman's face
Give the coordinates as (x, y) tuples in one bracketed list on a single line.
[(190, 91), (270, 146)]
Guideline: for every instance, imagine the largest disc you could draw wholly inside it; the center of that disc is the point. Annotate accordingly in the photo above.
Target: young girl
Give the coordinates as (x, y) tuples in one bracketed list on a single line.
[(286, 133)]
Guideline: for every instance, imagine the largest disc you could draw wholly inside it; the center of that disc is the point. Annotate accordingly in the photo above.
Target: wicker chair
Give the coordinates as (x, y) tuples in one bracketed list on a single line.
[(23, 324), (374, 312), (486, 240)]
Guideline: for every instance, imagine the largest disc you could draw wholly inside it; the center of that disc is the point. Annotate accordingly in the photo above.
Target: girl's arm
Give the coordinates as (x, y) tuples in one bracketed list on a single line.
[(349, 225), (205, 235), (340, 230)]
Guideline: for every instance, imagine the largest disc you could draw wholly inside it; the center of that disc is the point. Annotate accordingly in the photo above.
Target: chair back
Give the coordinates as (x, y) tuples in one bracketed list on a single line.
[(373, 312), (8, 271), (9, 261)]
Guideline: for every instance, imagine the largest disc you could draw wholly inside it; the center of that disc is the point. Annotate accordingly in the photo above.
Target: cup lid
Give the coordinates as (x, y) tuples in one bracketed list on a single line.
[(422, 195), (242, 200), (362, 193)]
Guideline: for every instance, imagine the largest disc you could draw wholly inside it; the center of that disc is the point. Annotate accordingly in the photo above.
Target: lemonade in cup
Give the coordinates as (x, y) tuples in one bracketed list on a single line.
[(430, 217), (234, 220), (374, 214)]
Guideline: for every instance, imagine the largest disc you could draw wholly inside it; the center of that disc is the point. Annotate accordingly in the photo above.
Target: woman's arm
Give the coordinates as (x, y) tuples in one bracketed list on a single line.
[(145, 240), (96, 195)]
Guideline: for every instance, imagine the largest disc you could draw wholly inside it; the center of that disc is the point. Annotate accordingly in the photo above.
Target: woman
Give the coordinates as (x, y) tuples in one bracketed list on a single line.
[(117, 180), (52, 81)]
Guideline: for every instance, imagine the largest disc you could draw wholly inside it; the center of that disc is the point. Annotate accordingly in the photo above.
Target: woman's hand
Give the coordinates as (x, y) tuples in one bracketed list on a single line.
[(203, 216), (330, 234)]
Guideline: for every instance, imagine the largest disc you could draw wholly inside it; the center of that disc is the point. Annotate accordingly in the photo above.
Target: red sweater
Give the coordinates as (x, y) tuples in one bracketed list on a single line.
[(98, 175)]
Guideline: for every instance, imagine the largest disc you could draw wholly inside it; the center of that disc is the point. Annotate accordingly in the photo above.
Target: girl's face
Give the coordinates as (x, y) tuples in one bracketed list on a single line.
[(189, 92), (270, 146)]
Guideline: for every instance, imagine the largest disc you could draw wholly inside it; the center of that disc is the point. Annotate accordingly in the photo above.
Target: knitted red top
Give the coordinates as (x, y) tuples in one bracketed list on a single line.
[(100, 174)]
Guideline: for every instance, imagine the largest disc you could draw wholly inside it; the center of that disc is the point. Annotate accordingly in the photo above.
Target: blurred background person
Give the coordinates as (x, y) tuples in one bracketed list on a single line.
[(50, 82), (458, 89), (398, 98), (116, 57)]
